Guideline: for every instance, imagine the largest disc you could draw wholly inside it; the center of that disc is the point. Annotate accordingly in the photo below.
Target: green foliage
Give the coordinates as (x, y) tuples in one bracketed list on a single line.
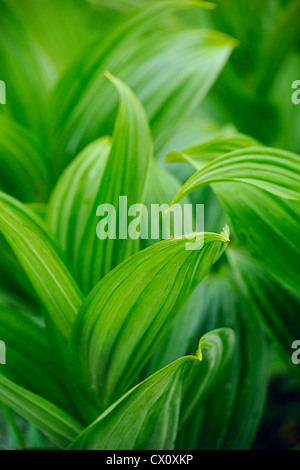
[(102, 335)]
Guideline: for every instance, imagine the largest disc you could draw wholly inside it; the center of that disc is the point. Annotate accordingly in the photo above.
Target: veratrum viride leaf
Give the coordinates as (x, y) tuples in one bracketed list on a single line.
[(260, 190), (102, 174), (38, 255), (156, 402), (121, 323)]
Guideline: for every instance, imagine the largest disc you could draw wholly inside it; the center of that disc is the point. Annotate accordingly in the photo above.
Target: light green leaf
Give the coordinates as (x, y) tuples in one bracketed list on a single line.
[(156, 402), (276, 171), (38, 255), (265, 212), (180, 340), (230, 417), (76, 189), (199, 155), (87, 183), (126, 315)]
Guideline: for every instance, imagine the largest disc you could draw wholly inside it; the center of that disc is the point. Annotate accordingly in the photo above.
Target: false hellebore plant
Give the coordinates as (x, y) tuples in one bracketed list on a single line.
[(102, 336)]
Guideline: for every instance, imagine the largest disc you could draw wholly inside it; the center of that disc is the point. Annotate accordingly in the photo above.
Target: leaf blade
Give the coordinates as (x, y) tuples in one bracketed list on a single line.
[(39, 258), (156, 401), (116, 339)]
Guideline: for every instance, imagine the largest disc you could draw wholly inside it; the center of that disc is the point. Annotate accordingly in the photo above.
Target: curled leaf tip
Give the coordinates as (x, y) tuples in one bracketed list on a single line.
[(169, 209), (108, 75), (199, 354), (226, 233)]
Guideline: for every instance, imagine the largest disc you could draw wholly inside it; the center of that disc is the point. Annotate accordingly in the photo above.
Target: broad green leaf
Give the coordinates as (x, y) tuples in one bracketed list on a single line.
[(87, 183), (277, 308), (181, 338), (199, 155), (276, 171), (77, 189), (23, 170), (167, 70), (156, 402), (230, 417), (129, 311), (265, 212), (218, 345), (38, 255), (57, 425)]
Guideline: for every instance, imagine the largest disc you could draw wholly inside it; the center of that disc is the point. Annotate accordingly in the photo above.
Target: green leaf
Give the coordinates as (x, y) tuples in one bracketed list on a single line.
[(57, 425), (156, 402), (265, 212), (38, 255), (87, 183), (162, 67), (218, 346), (199, 155), (276, 171), (121, 322), (230, 417), (74, 194), (180, 340)]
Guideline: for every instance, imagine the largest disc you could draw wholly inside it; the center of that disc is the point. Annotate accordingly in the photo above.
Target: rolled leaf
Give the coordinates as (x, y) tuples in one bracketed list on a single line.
[(156, 402), (230, 417)]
